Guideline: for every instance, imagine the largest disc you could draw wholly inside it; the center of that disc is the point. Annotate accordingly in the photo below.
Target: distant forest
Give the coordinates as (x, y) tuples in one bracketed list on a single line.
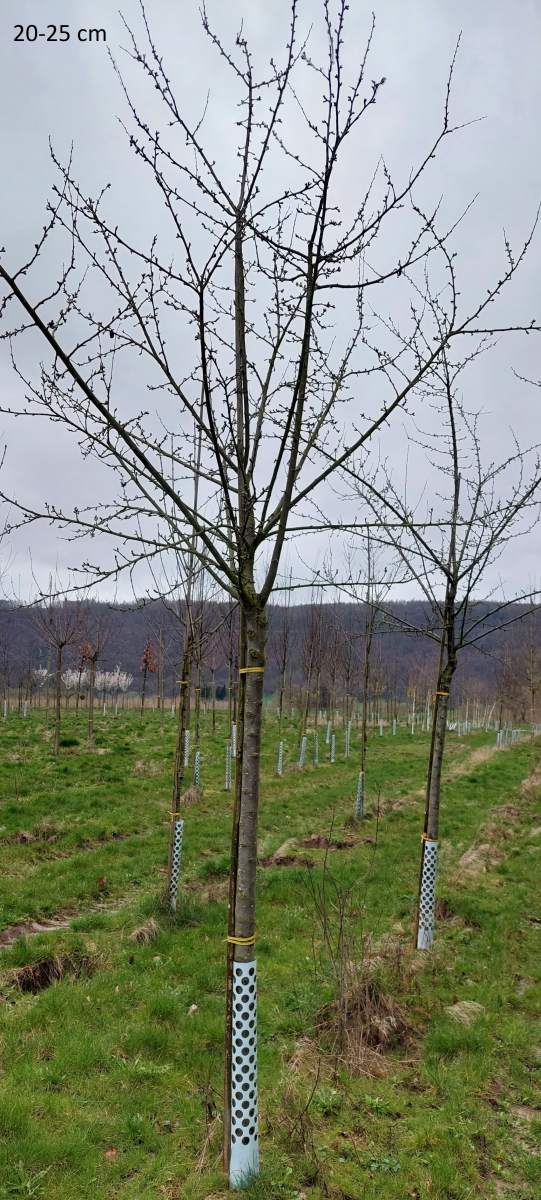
[(400, 660)]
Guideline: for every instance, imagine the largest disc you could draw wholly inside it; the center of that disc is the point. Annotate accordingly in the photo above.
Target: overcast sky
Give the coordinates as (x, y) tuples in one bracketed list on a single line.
[(69, 92)]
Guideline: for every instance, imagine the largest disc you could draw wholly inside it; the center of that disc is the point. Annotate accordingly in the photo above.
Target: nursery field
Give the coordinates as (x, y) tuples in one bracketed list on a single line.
[(423, 1084)]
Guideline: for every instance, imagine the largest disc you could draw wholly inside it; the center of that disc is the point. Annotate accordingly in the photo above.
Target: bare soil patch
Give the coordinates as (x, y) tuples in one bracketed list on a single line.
[(35, 977), (28, 928), (285, 856)]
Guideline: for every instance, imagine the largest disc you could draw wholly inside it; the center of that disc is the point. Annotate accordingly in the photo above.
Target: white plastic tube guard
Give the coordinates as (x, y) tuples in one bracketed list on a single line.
[(427, 899), (244, 1153), (359, 800), (176, 860)]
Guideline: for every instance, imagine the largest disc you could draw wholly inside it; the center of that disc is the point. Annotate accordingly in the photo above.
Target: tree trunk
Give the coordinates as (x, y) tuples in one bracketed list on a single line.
[(317, 701), (91, 683), (434, 784), (281, 702), (427, 881), (197, 715), (183, 717), (160, 670), (176, 833), (58, 686), (240, 1139), (306, 713)]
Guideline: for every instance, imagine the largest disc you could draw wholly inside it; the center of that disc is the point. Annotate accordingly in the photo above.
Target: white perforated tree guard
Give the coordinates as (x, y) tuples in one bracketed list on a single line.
[(186, 747), (234, 740), (328, 734), (381, 729), (394, 726), (316, 749), (333, 747), (197, 768), (228, 757), (5, 709), (25, 708), (176, 861), (359, 799), (302, 752), (280, 762), (244, 1156), (427, 898)]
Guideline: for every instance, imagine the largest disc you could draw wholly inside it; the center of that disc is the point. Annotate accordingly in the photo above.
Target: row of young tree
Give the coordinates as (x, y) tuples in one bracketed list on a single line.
[(338, 669), (286, 320)]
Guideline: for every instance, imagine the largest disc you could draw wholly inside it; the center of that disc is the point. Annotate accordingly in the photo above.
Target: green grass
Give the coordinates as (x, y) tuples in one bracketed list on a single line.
[(112, 1081)]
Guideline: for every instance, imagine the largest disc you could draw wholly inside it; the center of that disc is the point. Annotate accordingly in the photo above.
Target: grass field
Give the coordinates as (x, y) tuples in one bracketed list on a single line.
[(111, 1076)]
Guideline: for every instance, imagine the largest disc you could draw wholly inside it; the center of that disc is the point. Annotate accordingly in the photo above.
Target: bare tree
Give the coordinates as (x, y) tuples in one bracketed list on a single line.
[(149, 665), (91, 650), (483, 507), (368, 584), (521, 674), (252, 267), (370, 614), (310, 657), (59, 623)]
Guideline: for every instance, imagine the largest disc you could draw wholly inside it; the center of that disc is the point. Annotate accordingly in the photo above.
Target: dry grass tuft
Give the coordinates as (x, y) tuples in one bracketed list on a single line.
[(476, 861), (45, 831), (365, 1021), (192, 795), (465, 1012), (145, 933), (306, 1058), (140, 767)]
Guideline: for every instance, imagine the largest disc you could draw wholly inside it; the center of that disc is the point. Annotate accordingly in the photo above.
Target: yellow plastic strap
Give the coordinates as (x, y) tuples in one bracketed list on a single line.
[(251, 670), (177, 814), (441, 693), (183, 682), (241, 941), (425, 838)]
